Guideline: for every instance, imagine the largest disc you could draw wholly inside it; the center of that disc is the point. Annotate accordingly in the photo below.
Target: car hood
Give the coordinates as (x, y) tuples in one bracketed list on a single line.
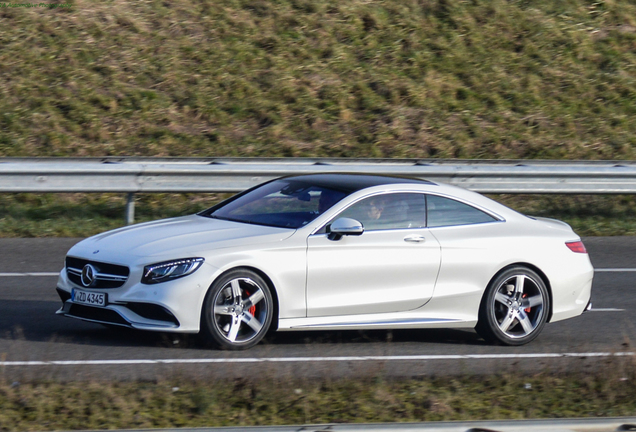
[(177, 237)]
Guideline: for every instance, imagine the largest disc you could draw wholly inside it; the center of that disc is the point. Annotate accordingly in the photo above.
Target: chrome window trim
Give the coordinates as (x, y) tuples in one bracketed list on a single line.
[(496, 216)]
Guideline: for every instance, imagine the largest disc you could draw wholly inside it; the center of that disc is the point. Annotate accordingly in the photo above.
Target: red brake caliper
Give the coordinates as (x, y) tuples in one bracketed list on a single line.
[(251, 310)]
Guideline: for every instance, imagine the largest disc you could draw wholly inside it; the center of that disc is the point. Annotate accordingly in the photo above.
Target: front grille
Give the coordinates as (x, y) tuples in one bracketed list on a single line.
[(106, 276), (97, 314)]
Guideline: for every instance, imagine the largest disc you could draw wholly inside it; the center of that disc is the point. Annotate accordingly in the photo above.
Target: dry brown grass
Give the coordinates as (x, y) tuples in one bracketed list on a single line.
[(415, 78)]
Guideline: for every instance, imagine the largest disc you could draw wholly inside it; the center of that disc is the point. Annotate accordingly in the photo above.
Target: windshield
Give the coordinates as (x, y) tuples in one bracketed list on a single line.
[(281, 203)]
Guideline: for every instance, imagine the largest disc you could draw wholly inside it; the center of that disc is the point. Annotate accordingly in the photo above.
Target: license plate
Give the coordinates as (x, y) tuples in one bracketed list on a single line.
[(88, 298)]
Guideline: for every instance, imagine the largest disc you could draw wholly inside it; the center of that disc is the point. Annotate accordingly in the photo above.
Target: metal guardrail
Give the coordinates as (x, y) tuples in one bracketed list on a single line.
[(180, 175), (544, 425)]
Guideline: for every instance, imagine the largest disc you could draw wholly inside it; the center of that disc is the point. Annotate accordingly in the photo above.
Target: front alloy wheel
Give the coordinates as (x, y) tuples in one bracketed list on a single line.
[(238, 310), (515, 307)]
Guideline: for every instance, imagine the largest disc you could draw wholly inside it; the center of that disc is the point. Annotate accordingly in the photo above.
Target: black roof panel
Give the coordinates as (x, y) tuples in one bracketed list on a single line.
[(354, 182)]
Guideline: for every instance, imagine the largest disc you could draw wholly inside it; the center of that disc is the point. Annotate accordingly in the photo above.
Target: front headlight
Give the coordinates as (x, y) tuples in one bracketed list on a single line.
[(170, 270)]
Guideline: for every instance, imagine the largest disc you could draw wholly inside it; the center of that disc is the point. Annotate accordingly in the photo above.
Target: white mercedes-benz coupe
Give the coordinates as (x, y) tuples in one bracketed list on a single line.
[(333, 251)]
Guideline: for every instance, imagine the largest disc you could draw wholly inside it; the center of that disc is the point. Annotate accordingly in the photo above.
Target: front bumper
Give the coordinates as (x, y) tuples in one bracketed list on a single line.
[(173, 306), (145, 316)]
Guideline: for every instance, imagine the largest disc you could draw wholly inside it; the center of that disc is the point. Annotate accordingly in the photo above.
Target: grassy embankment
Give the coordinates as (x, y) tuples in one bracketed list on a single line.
[(427, 78), (99, 405)]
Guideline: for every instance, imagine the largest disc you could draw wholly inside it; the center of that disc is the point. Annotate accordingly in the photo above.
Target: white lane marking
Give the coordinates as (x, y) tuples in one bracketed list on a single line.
[(314, 359), (607, 270), (606, 310)]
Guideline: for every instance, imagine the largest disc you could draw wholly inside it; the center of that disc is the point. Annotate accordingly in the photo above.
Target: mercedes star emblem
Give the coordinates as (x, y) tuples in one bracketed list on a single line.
[(88, 275)]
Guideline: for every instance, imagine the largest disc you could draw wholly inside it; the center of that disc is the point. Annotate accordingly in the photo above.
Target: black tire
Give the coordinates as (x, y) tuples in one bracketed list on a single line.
[(237, 311), (514, 308)]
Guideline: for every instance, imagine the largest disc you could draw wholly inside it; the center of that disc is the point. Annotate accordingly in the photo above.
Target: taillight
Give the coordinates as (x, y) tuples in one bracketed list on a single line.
[(576, 246)]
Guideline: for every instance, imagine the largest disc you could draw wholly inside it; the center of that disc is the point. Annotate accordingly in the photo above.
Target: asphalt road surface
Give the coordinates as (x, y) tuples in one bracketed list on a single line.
[(35, 343)]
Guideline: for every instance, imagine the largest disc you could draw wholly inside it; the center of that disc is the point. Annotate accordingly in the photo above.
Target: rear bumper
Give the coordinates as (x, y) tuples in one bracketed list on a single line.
[(573, 296)]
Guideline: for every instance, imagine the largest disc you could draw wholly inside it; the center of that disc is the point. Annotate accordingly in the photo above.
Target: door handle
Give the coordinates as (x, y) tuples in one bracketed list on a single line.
[(415, 238)]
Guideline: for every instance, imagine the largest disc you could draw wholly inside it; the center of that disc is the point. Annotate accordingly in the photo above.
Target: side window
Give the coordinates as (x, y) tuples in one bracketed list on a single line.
[(448, 212), (390, 211)]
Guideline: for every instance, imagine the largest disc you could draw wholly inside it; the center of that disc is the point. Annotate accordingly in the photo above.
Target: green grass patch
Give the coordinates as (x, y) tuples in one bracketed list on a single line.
[(588, 215), (410, 78), (83, 215), (167, 404)]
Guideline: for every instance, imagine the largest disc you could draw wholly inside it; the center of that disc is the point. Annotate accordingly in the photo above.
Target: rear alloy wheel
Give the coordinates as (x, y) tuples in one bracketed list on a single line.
[(238, 310), (515, 307)]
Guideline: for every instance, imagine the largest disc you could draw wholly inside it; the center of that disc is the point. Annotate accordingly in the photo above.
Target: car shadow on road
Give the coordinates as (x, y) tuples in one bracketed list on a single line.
[(36, 321), (440, 336)]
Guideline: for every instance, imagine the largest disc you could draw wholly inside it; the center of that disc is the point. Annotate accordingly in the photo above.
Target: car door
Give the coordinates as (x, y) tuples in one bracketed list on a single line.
[(391, 267), (473, 244)]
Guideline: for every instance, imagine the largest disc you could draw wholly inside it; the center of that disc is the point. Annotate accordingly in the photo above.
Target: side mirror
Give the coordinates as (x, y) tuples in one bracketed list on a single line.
[(345, 226)]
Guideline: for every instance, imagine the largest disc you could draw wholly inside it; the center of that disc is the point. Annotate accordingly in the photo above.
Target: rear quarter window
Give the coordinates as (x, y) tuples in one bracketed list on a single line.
[(448, 212)]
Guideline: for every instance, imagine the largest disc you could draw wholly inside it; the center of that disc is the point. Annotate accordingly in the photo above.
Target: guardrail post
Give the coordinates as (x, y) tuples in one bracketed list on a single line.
[(130, 209)]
